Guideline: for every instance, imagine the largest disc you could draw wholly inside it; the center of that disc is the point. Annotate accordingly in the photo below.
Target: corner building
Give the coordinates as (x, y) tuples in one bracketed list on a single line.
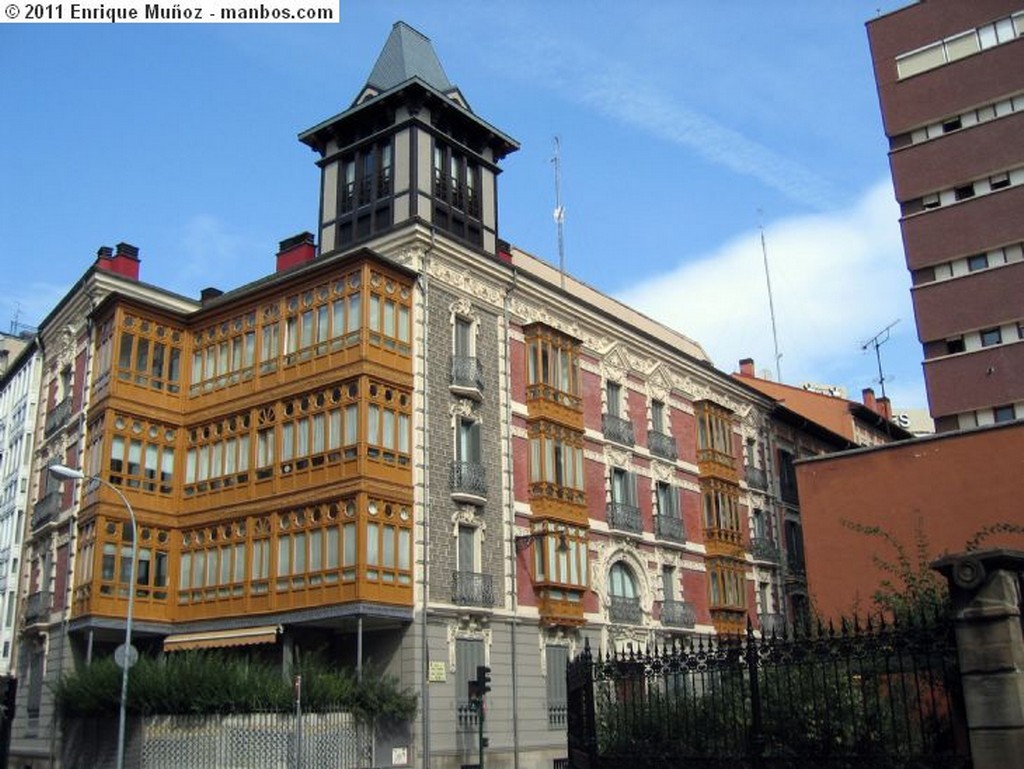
[(415, 447), (950, 81)]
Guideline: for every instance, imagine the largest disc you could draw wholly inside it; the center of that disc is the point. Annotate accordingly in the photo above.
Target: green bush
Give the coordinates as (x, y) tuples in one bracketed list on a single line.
[(203, 682)]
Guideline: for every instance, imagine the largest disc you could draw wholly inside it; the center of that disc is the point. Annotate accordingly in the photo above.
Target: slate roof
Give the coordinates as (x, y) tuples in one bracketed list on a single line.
[(407, 54)]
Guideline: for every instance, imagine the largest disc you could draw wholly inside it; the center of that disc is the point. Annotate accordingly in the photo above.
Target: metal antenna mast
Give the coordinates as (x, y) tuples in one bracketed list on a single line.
[(559, 208), (877, 341), (771, 302)]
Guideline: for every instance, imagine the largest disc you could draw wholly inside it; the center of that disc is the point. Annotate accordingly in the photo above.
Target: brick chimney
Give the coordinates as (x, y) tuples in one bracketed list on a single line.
[(295, 250), (209, 293), (125, 262), (884, 408), (747, 367), (868, 396)]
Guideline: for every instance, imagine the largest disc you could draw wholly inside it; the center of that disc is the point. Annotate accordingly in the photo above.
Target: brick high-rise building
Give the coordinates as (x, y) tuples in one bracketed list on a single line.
[(950, 80)]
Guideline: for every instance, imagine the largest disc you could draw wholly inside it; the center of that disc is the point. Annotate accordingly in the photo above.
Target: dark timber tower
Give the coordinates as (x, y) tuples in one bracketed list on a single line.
[(408, 149)]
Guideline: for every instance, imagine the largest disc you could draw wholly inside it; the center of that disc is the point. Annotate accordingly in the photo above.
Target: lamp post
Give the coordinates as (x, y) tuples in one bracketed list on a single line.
[(65, 473)]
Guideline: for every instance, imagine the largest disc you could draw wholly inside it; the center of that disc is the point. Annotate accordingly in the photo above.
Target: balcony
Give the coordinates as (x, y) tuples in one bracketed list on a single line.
[(773, 624), (37, 607), (468, 481), (57, 417), (662, 445), (756, 478), (617, 429), (669, 527), (467, 375), (470, 588), (678, 614), (624, 517), (764, 549), (46, 509), (622, 609)]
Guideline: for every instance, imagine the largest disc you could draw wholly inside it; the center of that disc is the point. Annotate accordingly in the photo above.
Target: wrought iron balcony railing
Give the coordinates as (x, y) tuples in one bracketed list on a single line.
[(38, 605), (756, 478), (57, 417), (662, 445), (622, 609), (46, 509), (468, 478), (467, 373), (470, 588), (764, 549), (617, 429), (625, 517), (669, 527), (678, 614)]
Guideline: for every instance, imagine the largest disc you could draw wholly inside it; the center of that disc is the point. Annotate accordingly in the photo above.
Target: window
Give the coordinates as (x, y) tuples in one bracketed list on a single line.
[(552, 366), (613, 392), (668, 583), (556, 460), (621, 583), (991, 336), (456, 193), (714, 434), (1003, 413), (931, 201), (955, 345), (658, 417), (977, 262), (964, 192), (560, 556), (149, 354), (668, 500), (999, 181), (469, 655), (141, 455), (467, 548), (952, 125), (623, 488), (557, 658)]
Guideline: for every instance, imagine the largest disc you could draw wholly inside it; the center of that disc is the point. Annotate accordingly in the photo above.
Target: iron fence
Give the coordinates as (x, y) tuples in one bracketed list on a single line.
[(884, 696), (238, 741)]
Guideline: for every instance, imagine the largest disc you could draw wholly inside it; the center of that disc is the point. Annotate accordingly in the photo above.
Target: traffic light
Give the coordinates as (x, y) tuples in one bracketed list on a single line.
[(483, 679), (474, 690)]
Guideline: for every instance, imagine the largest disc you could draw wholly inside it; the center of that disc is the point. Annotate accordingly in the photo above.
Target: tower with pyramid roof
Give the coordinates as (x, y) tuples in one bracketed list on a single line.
[(409, 148)]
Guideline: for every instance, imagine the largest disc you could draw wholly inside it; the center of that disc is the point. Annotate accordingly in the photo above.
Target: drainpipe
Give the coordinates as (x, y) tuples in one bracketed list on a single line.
[(509, 480), (424, 536)]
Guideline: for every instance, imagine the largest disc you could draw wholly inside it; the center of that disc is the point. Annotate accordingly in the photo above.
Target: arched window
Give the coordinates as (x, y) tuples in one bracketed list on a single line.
[(624, 605), (621, 580)]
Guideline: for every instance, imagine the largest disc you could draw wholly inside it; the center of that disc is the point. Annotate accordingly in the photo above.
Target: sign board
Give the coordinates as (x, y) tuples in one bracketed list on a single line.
[(437, 673), (119, 656)]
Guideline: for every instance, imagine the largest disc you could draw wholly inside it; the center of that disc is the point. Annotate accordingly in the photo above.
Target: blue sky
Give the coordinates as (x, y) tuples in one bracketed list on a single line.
[(679, 122)]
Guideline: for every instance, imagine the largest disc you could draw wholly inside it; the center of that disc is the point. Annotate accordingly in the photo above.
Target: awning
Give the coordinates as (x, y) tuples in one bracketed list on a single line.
[(246, 636)]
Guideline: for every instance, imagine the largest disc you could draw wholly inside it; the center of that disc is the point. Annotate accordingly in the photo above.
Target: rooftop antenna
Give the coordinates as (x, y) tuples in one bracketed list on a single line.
[(559, 208), (877, 341), (771, 302)]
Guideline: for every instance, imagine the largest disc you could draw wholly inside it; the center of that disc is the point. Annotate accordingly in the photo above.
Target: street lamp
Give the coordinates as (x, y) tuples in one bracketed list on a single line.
[(65, 473)]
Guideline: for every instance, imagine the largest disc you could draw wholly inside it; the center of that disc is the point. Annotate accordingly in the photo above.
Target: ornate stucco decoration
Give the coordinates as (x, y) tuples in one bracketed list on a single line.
[(659, 383), (556, 636), (468, 627), (463, 407), (615, 366), (458, 277)]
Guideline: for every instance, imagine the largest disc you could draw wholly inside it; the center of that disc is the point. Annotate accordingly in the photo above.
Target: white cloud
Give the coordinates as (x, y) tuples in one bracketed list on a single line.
[(211, 254), (837, 279), (611, 87)]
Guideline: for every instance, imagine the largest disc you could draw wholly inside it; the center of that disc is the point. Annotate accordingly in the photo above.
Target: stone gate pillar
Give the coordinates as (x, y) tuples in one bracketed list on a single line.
[(985, 589)]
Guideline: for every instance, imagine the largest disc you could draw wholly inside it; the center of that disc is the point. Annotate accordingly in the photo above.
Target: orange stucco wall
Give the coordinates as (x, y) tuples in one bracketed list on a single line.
[(951, 485)]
